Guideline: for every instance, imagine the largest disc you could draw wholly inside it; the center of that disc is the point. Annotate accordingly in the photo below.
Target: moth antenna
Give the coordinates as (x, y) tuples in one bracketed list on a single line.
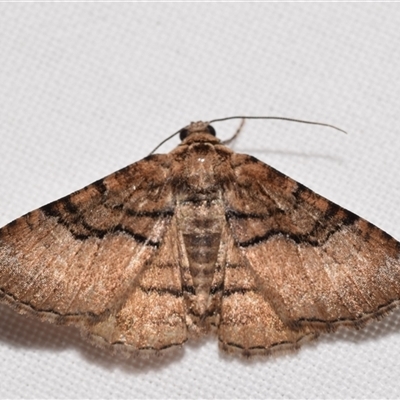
[(164, 141), (236, 134), (243, 118), (301, 121)]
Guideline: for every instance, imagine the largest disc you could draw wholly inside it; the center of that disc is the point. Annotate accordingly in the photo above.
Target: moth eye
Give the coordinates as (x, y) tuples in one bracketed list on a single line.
[(211, 130), (183, 134)]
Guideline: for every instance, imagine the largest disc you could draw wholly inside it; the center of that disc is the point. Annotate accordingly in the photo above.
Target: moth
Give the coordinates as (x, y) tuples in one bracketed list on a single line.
[(197, 240)]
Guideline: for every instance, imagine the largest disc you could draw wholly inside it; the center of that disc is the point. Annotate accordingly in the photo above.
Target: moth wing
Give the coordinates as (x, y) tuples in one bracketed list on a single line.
[(318, 264), (78, 259)]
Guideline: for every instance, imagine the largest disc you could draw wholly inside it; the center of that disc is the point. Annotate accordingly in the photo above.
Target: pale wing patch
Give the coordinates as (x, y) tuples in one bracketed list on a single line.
[(249, 322), (153, 314)]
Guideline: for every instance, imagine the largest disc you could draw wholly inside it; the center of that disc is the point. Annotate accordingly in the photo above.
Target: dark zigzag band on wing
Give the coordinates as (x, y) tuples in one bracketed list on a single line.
[(9, 296), (310, 237), (358, 321), (147, 290), (52, 210), (247, 351)]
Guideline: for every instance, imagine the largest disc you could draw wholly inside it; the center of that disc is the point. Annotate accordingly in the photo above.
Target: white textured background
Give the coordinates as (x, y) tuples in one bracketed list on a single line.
[(86, 89)]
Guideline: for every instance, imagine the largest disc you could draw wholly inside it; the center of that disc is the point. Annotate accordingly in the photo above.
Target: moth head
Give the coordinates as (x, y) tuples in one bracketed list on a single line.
[(196, 127)]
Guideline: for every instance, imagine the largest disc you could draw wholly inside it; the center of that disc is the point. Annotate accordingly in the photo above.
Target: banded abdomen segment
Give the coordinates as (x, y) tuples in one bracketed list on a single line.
[(201, 222)]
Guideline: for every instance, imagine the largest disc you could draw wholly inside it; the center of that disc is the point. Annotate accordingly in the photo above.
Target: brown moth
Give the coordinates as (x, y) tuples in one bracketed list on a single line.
[(200, 239)]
